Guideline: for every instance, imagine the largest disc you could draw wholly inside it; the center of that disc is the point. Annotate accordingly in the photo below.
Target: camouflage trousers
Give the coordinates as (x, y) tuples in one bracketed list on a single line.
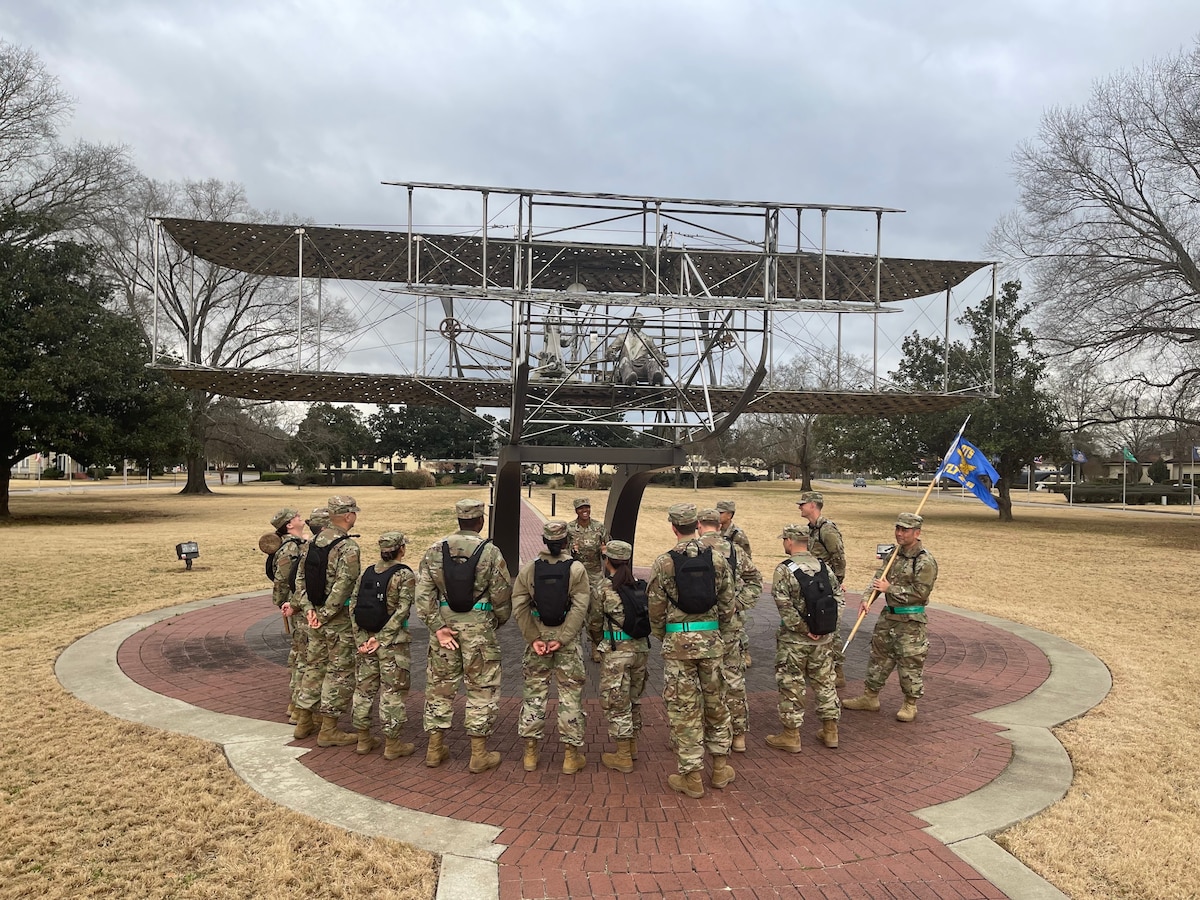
[(696, 711), (733, 677), (565, 667), (476, 663), (839, 639), (329, 684), (798, 657), (298, 654), (898, 644), (622, 683), (384, 673)]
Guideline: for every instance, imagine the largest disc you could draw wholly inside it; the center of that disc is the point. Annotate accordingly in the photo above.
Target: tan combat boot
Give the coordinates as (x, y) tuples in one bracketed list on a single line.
[(291, 713), (332, 736), (788, 739), (908, 711), (573, 760), (739, 743), (395, 748), (531, 755), (690, 784), (366, 743), (839, 677), (437, 752), (633, 747), (722, 773), (868, 701), (828, 734), (621, 761), (481, 759), (304, 724)]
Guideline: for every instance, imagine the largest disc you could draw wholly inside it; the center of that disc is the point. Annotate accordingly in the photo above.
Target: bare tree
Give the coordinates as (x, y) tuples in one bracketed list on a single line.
[(1109, 224), (209, 316), (49, 182)]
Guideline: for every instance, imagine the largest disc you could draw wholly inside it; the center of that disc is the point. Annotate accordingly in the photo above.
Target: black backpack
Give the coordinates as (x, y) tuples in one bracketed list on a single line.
[(552, 590), (370, 612), (458, 573), (635, 607), (695, 581), (295, 566), (820, 605), (316, 562)]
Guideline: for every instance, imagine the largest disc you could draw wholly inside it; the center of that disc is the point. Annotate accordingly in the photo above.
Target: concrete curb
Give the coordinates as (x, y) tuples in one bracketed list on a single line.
[(1040, 772), (260, 754)]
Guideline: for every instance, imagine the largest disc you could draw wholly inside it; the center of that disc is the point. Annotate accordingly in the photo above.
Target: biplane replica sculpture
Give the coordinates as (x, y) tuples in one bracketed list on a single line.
[(654, 315)]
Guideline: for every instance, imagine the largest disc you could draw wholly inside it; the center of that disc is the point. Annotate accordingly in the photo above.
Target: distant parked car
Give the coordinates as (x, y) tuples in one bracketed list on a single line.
[(860, 482)]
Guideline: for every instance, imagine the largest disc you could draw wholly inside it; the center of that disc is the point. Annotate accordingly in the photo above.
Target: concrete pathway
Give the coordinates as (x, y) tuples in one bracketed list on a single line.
[(899, 811)]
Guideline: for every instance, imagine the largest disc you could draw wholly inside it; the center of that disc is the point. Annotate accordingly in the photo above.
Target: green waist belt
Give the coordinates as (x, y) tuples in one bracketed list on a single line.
[(904, 610), (617, 636), (482, 606), (693, 626)]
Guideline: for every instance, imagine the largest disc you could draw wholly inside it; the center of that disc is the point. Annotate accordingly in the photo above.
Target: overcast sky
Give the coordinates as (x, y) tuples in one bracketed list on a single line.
[(311, 105)]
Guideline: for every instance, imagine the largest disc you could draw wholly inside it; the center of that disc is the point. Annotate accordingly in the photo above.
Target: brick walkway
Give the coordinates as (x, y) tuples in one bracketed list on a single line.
[(821, 823)]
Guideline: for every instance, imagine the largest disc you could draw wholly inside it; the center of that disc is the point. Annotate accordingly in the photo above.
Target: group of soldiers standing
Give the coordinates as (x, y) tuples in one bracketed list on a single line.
[(351, 643)]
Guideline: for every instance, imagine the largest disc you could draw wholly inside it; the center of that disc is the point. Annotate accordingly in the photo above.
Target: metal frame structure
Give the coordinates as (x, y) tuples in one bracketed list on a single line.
[(533, 318)]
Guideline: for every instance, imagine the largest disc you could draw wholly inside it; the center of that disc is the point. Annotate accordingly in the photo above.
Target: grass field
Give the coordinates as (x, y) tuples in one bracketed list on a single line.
[(93, 806)]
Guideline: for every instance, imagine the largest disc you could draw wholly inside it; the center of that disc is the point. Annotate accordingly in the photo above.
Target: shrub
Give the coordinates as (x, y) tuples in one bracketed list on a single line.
[(554, 483), (413, 480), (587, 480), (366, 478), (444, 481), (272, 476), (724, 480), (604, 481), (303, 477), (96, 473), (53, 473)]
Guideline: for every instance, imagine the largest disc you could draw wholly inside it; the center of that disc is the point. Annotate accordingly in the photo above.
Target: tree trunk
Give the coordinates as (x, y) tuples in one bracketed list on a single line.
[(196, 483), (5, 481), (1004, 501)]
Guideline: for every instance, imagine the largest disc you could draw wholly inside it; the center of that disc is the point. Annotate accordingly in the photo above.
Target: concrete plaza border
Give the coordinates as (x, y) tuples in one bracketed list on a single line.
[(259, 752)]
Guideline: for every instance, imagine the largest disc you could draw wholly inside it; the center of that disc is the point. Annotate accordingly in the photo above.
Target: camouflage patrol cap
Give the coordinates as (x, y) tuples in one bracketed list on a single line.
[(468, 509), (341, 505), (618, 550), (554, 531), (319, 518), (682, 513), (726, 506), (284, 516), (390, 540), (797, 531), (708, 516), (909, 520), (811, 497), (582, 501)]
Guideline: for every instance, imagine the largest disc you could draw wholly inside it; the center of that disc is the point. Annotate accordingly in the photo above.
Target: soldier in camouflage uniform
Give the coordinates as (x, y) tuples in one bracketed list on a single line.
[(383, 656), (552, 652), (734, 534), (463, 646), (586, 539), (329, 677), (799, 654), (825, 543), (693, 647), (289, 526), (317, 519), (623, 665), (901, 639), (747, 586)]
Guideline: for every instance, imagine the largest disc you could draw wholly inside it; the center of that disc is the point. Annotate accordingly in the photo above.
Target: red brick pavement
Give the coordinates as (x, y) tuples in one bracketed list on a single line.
[(821, 823)]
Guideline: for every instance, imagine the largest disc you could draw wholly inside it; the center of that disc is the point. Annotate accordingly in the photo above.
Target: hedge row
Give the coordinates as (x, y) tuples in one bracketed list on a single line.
[(1135, 495)]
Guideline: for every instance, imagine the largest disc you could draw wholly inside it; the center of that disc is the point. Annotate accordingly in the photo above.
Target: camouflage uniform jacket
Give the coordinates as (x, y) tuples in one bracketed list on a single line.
[(287, 558), (825, 542), (911, 580), (661, 593), (532, 627), (735, 534), (491, 581), (606, 599), (585, 543), (341, 574), (399, 598), (747, 580), (785, 590)]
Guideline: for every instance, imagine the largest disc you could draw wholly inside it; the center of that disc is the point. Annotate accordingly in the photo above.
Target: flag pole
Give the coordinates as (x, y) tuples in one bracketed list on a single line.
[(1124, 476), (887, 566)]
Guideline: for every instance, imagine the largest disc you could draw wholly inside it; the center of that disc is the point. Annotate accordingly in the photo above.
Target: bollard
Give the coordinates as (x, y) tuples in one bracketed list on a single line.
[(553, 498), (1164, 501)]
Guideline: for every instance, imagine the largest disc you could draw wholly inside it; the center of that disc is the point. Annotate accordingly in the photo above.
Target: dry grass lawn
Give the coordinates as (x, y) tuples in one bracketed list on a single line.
[(93, 806)]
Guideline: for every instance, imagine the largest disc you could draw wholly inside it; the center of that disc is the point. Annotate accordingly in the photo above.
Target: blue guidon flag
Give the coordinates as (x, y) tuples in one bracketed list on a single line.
[(967, 465)]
